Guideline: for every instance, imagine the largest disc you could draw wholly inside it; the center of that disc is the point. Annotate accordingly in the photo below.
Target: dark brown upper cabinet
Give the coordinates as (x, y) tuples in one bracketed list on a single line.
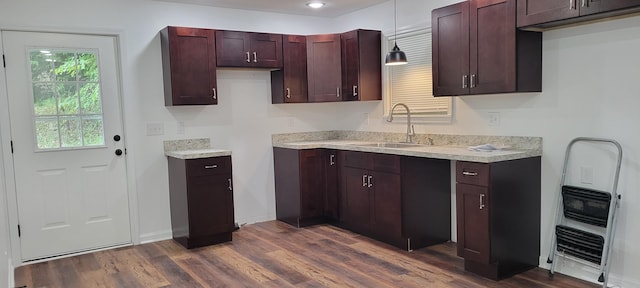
[(478, 50), (552, 13), (289, 84), (188, 66), (361, 65), (248, 49), (324, 68)]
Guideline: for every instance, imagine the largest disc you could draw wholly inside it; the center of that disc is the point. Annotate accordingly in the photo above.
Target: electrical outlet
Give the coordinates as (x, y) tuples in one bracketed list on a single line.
[(155, 129), (494, 118)]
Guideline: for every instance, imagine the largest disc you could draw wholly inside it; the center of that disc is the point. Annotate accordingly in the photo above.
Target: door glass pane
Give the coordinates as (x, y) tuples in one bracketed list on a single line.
[(90, 100), (70, 132), (41, 65), (68, 103), (67, 99), (92, 131), (88, 67), (47, 133), (44, 99)]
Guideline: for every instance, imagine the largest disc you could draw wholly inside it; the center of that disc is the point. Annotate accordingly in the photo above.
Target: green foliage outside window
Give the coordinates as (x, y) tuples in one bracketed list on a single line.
[(67, 99)]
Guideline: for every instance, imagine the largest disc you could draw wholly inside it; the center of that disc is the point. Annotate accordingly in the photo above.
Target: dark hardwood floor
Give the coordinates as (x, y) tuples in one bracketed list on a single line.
[(274, 254)]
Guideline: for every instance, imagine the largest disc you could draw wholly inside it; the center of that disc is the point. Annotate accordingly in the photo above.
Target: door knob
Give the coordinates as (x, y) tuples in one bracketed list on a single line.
[(118, 152), (116, 138)]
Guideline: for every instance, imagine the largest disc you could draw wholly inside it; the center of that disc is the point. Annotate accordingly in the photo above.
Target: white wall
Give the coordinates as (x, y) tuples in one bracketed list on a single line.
[(590, 74)]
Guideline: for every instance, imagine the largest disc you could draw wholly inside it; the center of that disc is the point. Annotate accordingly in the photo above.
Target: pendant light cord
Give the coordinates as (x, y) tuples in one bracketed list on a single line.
[(395, 22)]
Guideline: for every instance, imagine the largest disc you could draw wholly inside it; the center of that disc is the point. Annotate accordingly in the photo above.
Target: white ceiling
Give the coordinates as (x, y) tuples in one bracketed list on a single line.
[(333, 8)]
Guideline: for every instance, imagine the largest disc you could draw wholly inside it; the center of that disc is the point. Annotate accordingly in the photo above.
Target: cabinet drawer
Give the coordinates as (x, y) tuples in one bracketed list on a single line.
[(208, 166), (356, 159), (385, 163), (472, 173)]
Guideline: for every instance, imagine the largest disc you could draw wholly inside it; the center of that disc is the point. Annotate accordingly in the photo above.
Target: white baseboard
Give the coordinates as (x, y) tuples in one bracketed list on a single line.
[(10, 274), (155, 236), (587, 273)]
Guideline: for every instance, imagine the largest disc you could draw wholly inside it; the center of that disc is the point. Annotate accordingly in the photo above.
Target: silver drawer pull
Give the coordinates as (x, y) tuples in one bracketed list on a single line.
[(255, 57), (482, 201), (364, 180), (369, 181), (230, 187), (210, 166), (466, 173), (248, 57)]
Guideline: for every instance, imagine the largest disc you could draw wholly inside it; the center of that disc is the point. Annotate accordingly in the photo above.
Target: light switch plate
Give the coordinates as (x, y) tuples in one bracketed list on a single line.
[(155, 129)]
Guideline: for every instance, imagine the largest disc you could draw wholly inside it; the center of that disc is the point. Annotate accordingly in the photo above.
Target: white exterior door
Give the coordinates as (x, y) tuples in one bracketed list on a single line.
[(68, 149)]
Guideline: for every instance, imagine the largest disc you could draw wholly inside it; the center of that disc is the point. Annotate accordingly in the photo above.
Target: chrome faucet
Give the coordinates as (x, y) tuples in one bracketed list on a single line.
[(410, 131)]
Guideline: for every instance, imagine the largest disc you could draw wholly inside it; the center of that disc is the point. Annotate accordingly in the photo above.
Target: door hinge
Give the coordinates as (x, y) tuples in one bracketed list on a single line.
[(4, 62), (19, 233), (11, 146)]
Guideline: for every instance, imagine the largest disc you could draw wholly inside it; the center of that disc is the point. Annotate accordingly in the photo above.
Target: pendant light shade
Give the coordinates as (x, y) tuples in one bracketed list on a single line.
[(396, 56)]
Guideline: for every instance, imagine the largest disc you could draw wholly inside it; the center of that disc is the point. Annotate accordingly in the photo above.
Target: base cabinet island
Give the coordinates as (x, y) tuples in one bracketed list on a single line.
[(402, 194)]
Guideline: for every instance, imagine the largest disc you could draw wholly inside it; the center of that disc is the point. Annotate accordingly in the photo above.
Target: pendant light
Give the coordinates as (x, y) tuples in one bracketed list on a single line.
[(396, 56)]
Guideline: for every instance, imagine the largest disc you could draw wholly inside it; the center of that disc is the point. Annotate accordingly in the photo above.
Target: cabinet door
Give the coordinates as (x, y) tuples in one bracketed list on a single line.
[(293, 88), (473, 223), (355, 201), (312, 183), (324, 68), (361, 65), (331, 182), (492, 34), (350, 65), (450, 40), (265, 50), (189, 66), (386, 216), (232, 49), (609, 5), (210, 201), (531, 12)]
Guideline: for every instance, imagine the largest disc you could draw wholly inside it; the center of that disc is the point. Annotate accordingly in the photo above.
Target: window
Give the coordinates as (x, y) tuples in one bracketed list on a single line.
[(411, 84), (67, 102)]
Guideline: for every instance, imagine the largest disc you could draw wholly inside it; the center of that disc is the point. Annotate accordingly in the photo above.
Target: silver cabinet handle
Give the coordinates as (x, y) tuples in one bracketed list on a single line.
[(364, 180), (230, 187), (255, 57), (248, 57), (482, 201), (355, 90), (338, 92), (585, 3), (331, 161), (369, 182), (464, 81), (467, 173), (210, 166), (214, 94), (288, 93), (473, 80), (572, 4)]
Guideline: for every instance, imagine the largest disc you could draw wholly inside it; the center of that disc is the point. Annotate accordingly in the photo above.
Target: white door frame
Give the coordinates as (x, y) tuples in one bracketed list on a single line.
[(7, 158)]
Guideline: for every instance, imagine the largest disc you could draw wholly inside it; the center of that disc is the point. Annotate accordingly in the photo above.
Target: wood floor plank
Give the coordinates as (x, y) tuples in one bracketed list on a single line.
[(275, 254)]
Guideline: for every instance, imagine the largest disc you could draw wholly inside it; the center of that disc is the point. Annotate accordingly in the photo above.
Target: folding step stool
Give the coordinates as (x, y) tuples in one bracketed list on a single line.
[(591, 207)]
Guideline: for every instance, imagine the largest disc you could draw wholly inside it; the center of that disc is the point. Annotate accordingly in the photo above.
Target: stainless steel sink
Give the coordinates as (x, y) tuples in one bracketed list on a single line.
[(390, 145)]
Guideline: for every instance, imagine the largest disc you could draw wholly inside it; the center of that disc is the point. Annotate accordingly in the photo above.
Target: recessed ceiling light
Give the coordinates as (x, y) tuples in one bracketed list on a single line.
[(315, 4)]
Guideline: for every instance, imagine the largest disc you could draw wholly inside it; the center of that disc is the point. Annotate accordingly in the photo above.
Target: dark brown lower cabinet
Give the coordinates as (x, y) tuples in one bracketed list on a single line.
[(498, 216), (403, 201), (303, 188), (201, 199)]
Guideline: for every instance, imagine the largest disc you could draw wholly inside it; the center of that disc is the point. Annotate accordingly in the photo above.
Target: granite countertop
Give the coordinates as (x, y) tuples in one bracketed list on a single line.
[(520, 147), (192, 149)]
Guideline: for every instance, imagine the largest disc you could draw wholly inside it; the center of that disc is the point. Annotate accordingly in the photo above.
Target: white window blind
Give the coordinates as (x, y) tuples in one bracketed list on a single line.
[(411, 84)]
